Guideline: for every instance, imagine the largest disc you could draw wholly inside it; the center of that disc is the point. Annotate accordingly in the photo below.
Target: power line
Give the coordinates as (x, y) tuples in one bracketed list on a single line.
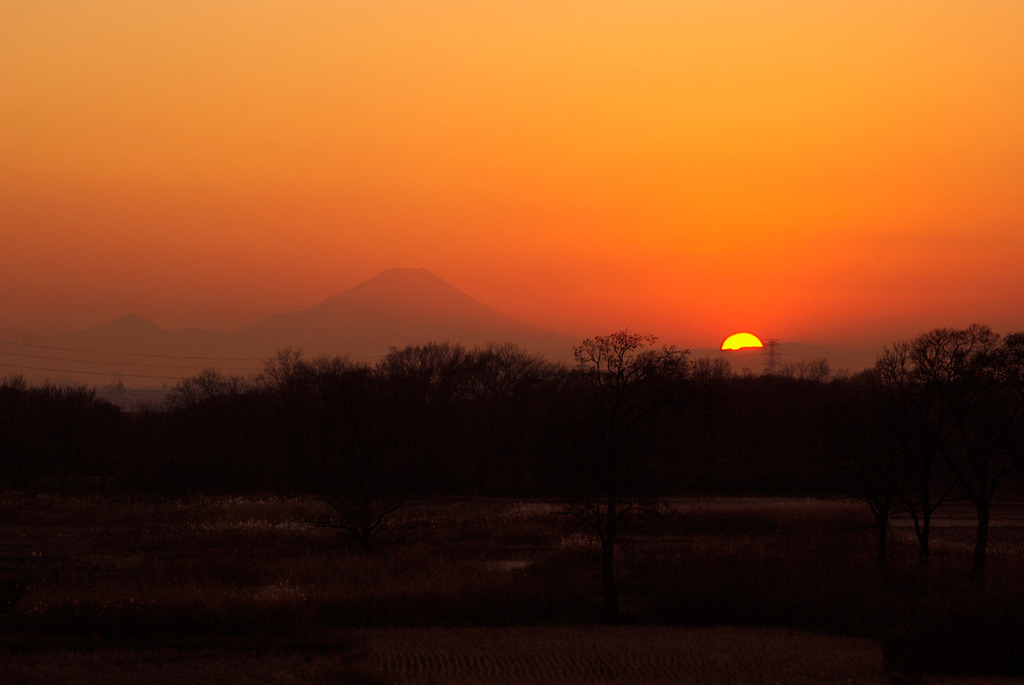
[(131, 354), (260, 360), (94, 373), (121, 363)]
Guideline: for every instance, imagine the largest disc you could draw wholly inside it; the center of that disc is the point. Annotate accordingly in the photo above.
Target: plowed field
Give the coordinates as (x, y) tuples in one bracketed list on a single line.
[(580, 655)]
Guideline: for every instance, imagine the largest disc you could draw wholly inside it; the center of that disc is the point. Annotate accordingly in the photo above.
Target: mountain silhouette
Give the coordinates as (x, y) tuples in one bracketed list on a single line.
[(135, 335), (395, 308)]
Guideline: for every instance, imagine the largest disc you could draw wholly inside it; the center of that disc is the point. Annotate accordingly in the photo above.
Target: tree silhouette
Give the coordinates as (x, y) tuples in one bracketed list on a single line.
[(950, 418), (52, 434), (369, 464), (987, 413), (1010, 373), (622, 386), (919, 427), (510, 398), (434, 381), (352, 431), (209, 384), (860, 446)]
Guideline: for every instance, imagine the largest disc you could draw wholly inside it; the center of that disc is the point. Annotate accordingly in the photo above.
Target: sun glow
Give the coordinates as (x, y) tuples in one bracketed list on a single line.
[(738, 341)]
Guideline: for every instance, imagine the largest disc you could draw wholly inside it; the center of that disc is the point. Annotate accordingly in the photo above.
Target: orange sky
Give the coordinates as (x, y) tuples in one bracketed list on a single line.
[(805, 170)]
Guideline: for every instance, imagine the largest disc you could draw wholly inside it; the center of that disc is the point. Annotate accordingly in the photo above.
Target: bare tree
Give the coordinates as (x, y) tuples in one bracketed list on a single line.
[(288, 381), (918, 426), (711, 370), (624, 386), (511, 399), (351, 432), (948, 418), (987, 414), (369, 465), (860, 447), (1010, 372), (812, 370), (208, 384)]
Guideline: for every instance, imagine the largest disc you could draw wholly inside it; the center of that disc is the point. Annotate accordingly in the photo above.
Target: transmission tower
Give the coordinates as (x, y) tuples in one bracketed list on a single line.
[(772, 354)]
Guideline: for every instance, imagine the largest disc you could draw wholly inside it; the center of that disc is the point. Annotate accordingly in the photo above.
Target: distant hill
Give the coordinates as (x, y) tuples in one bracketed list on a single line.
[(136, 333), (129, 350), (398, 307)]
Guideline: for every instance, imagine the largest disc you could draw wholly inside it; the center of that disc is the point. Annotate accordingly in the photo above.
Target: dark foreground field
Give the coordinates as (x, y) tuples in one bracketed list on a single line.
[(541, 654), (251, 590)]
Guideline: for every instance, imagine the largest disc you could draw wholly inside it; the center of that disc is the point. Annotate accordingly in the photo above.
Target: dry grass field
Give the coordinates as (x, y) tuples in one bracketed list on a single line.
[(221, 589)]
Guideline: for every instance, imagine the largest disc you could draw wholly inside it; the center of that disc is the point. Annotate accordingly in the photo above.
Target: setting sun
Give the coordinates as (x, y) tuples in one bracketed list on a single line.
[(738, 341)]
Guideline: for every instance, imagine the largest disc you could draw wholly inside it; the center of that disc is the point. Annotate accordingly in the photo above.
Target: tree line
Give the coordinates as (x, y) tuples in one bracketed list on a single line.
[(491, 421), (939, 417)]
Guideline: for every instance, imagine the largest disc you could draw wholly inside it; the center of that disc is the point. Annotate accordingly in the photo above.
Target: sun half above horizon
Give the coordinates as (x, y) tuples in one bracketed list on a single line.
[(739, 341)]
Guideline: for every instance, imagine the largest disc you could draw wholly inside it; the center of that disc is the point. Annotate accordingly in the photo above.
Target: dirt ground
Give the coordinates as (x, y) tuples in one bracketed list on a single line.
[(463, 655)]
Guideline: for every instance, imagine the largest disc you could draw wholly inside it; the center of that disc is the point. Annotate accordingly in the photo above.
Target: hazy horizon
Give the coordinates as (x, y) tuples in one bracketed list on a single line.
[(52, 329), (56, 330), (394, 309), (132, 344)]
